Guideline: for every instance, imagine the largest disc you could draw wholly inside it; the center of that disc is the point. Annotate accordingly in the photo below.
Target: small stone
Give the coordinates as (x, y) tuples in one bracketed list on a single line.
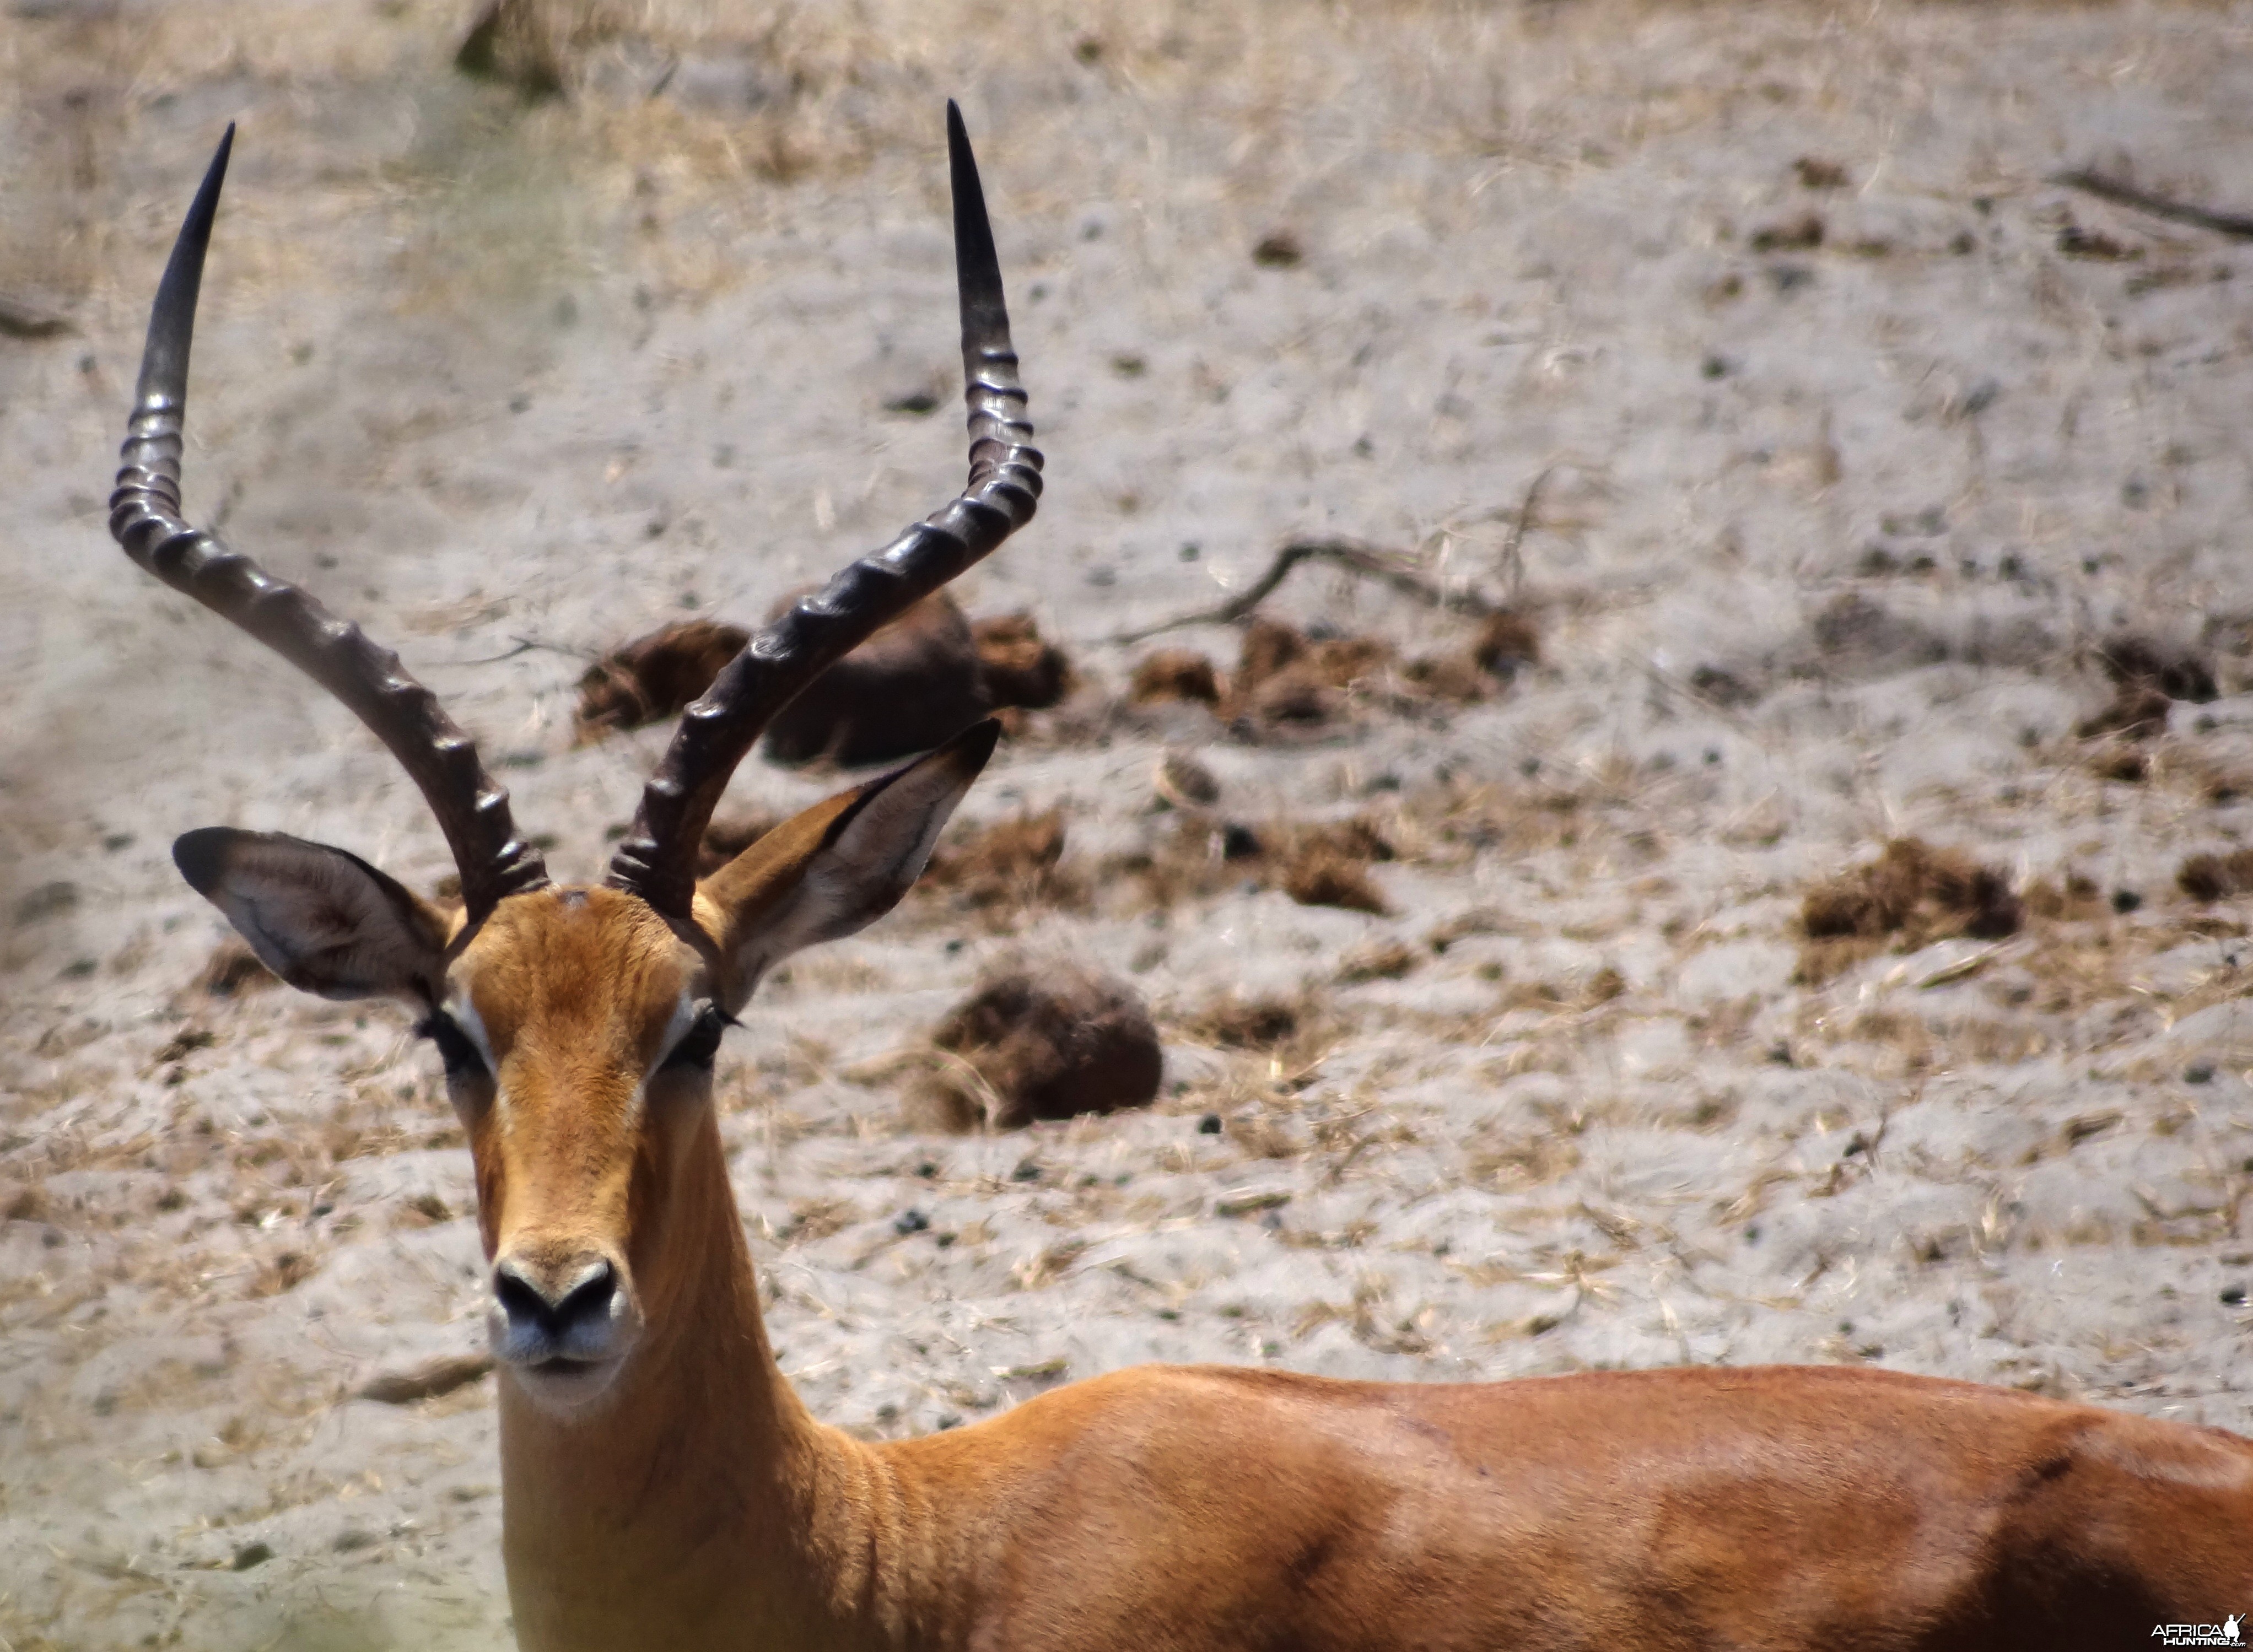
[(253, 1554), (910, 1220), (1210, 1125)]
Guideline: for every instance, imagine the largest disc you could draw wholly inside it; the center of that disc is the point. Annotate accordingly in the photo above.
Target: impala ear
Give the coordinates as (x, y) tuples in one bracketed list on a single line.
[(838, 867), (323, 920)]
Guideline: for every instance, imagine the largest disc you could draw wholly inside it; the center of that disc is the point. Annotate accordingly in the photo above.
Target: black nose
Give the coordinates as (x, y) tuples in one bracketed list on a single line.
[(555, 1303)]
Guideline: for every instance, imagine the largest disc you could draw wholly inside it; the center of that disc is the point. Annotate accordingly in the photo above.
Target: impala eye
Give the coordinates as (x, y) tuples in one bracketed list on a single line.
[(454, 1048), (696, 1047)]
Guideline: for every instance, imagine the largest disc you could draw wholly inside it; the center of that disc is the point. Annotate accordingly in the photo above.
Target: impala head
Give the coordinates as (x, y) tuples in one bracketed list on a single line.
[(578, 1024)]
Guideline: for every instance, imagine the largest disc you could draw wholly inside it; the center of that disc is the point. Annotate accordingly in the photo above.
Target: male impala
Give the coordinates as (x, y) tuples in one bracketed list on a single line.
[(664, 1487)]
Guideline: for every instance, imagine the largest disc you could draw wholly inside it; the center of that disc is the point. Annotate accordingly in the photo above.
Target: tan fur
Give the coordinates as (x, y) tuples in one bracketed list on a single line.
[(699, 1505), (663, 1487)]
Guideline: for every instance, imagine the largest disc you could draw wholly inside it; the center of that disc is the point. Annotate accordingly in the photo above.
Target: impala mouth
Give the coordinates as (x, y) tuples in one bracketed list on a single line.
[(559, 1382)]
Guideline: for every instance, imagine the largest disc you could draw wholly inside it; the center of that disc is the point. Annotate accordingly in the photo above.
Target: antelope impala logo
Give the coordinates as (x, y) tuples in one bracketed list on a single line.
[(2228, 1632)]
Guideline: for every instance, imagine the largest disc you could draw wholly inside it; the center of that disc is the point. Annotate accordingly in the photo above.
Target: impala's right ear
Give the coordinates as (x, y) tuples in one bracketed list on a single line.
[(324, 920)]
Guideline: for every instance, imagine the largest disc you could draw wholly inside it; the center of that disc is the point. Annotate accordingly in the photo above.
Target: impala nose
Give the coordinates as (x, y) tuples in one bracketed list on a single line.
[(566, 1312)]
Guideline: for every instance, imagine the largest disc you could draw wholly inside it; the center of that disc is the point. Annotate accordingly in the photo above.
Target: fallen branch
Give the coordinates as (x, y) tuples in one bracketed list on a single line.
[(2237, 226), (1390, 567)]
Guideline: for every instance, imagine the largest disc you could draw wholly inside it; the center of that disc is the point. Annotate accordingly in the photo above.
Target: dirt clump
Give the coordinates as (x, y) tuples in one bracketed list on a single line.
[(2215, 877), (1017, 666), (518, 44), (1912, 895), (1800, 235), (1052, 1040), (2146, 676), (914, 685), (654, 676), (1015, 862), (1174, 673)]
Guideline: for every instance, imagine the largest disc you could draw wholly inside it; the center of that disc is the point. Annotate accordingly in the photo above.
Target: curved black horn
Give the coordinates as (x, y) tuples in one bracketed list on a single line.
[(144, 517), (657, 859)]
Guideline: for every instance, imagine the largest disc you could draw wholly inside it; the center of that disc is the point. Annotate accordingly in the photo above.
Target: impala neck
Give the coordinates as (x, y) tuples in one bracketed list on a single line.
[(699, 1504)]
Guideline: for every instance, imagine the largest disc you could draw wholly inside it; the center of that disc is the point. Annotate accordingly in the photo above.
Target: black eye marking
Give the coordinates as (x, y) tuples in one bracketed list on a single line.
[(696, 1047), (455, 1049)]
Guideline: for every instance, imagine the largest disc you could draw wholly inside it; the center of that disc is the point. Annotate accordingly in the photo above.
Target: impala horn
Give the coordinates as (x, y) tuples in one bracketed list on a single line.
[(657, 859), (144, 517)]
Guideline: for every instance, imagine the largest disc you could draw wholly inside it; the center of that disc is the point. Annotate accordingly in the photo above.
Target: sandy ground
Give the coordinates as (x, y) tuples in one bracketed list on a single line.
[(1831, 535)]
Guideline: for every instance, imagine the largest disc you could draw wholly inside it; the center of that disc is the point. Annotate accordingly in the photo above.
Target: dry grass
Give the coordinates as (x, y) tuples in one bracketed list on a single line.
[(654, 676), (1910, 897), (1315, 863), (1231, 1022), (1007, 867), (234, 969)]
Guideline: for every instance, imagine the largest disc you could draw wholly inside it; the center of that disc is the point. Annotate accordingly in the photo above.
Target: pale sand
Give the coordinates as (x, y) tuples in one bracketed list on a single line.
[(485, 377)]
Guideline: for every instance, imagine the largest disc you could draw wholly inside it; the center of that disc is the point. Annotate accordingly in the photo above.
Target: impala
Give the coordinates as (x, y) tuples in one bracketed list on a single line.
[(664, 1487)]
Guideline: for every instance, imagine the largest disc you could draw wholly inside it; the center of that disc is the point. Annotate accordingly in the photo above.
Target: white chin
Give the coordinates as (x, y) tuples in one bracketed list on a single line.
[(565, 1388)]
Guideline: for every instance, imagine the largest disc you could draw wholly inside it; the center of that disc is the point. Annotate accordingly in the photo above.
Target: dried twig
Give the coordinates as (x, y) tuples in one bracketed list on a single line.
[(1392, 568), (2237, 226), (1511, 562)]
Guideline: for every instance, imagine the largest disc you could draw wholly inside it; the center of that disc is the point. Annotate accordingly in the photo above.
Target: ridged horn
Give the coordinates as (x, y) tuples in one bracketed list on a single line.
[(657, 857), (144, 517)]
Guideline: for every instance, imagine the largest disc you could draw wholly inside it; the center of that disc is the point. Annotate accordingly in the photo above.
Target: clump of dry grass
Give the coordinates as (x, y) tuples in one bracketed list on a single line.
[(1173, 674), (1283, 676), (2177, 673), (2147, 676), (1912, 895), (1051, 1040), (2138, 711), (2073, 898), (1316, 864), (1321, 876), (1015, 863), (1232, 1022), (1381, 961), (1017, 666), (2215, 877), (232, 968), (654, 676), (1507, 640)]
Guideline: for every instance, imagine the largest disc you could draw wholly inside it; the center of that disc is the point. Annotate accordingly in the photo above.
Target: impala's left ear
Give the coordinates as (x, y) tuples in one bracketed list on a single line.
[(838, 867)]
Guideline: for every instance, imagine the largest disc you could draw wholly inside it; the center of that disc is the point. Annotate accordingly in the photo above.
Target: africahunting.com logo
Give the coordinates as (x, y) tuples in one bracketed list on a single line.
[(2228, 1632)]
